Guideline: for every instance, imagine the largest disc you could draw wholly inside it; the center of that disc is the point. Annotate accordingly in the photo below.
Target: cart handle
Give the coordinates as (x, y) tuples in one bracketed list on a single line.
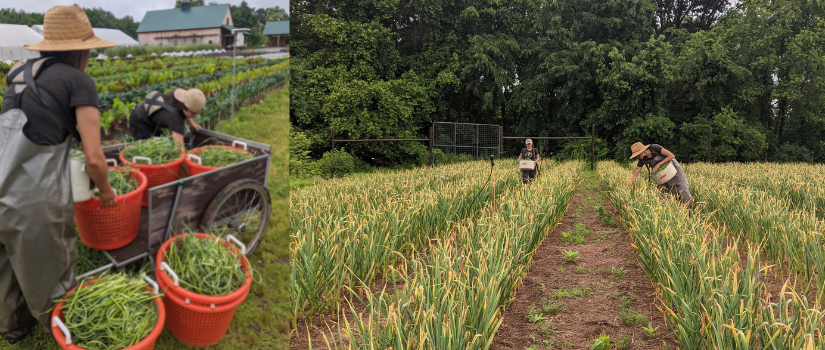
[(237, 242), (152, 282), (56, 322), (236, 142), (196, 157), (137, 158), (165, 267), (112, 161)]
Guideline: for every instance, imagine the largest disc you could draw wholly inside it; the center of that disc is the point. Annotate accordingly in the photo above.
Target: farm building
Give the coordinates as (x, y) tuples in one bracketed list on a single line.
[(188, 25), (12, 39), (277, 33), (116, 36)]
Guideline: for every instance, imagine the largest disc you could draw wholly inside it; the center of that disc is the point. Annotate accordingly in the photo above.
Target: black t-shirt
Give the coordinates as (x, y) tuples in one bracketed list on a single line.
[(531, 154), (69, 86), (144, 127), (657, 156)]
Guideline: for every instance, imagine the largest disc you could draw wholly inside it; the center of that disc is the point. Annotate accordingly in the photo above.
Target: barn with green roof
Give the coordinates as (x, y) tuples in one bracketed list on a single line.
[(188, 25)]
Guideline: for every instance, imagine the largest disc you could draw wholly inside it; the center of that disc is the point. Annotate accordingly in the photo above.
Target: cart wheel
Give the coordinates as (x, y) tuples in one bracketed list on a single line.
[(242, 209)]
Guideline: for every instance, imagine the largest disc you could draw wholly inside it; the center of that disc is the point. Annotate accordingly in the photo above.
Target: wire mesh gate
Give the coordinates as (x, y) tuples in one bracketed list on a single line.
[(475, 140)]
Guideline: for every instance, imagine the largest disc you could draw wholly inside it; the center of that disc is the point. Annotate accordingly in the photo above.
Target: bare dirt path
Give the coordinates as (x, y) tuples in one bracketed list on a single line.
[(604, 290)]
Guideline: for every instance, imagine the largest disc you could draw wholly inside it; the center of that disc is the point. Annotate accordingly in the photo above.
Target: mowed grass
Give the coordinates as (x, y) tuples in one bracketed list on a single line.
[(261, 322)]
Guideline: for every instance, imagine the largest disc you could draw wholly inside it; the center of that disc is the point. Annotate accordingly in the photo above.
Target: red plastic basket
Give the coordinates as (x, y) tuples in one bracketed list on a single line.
[(107, 228), (147, 343), (195, 168), (156, 174), (195, 319)]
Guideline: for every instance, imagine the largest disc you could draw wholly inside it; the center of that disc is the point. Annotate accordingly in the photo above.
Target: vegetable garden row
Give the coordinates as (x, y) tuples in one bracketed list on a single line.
[(124, 84)]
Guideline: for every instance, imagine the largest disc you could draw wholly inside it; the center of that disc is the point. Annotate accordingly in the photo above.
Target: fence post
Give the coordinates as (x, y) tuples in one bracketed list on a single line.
[(332, 136), (432, 140), (500, 141), (592, 145), (710, 133)]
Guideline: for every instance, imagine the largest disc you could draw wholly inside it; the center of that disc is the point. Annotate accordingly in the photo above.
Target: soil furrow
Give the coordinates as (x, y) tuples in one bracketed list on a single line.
[(564, 304)]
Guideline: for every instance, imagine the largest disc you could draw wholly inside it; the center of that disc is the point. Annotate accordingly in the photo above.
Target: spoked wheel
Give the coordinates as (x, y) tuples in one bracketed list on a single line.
[(241, 209)]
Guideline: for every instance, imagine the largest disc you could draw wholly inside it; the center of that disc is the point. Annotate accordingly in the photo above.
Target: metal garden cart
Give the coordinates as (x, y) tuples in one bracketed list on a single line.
[(230, 200)]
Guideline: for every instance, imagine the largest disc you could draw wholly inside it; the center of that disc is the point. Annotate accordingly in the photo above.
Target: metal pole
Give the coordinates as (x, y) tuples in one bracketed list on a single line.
[(592, 145), (232, 115), (432, 140), (710, 133), (500, 141), (332, 136)]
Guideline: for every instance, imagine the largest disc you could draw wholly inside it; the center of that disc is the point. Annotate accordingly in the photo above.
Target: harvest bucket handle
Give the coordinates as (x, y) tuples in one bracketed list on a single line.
[(196, 157), (236, 142), (165, 267), (108, 161), (56, 322), (237, 242), (135, 159), (151, 282)]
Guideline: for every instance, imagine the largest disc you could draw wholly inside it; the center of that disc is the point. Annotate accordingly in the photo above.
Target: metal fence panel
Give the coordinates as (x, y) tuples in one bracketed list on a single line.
[(475, 140)]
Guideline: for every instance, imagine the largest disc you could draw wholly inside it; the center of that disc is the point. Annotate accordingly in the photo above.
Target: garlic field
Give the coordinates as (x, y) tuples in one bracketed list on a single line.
[(434, 258)]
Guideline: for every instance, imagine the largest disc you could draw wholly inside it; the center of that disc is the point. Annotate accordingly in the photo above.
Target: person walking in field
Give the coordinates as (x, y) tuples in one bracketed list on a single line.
[(655, 156), (528, 152), (50, 102)]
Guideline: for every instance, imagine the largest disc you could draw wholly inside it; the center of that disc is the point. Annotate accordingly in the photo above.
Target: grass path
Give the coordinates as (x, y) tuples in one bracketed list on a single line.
[(261, 322)]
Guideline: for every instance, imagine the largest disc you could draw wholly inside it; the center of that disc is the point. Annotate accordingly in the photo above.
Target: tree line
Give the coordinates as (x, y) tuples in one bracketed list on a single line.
[(661, 71), (243, 16)]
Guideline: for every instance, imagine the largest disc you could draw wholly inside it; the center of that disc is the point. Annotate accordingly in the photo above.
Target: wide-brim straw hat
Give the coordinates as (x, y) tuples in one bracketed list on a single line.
[(66, 28), (637, 148)]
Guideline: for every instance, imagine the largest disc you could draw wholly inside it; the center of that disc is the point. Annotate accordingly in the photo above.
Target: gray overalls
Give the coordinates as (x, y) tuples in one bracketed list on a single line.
[(37, 232), (678, 185)]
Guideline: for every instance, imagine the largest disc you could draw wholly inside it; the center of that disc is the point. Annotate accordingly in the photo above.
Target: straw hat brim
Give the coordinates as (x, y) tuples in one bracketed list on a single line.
[(72, 45), (640, 152)]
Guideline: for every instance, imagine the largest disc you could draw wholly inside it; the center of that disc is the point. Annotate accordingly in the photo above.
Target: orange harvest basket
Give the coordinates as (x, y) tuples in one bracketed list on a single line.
[(107, 228), (196, 168), (147, 343), (195, 319), (155, 174)]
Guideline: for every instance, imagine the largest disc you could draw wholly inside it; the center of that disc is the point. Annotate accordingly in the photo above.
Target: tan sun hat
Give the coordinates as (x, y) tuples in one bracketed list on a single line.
[(66, 28), (193, 99), (637, 148)]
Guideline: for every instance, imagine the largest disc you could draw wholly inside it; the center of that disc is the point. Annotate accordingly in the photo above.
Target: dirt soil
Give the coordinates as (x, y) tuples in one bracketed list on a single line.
[(584, 318)]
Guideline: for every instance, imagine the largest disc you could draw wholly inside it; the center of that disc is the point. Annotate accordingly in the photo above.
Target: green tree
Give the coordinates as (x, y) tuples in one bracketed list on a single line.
[(276, 14), (193, 3)]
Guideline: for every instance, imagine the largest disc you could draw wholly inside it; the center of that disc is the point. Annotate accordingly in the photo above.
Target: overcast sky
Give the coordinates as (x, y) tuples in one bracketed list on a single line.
[(134, 8)]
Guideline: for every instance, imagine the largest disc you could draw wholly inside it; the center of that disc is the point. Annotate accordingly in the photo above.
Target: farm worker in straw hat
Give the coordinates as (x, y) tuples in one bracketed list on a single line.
[(528, 152), (37, 130), (655, 156), (167, 111)]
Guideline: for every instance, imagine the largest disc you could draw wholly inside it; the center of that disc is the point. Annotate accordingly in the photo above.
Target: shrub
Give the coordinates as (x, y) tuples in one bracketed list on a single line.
[(580, 149), (792, 153), (337, 163)]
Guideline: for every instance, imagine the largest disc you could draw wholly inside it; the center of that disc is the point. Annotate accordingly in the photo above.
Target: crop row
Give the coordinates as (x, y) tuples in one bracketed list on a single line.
[(784, 234), (132, 80), (712, 299), (345, 233), (249, 83), (801, 184), (112, 68), (454, 296)]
